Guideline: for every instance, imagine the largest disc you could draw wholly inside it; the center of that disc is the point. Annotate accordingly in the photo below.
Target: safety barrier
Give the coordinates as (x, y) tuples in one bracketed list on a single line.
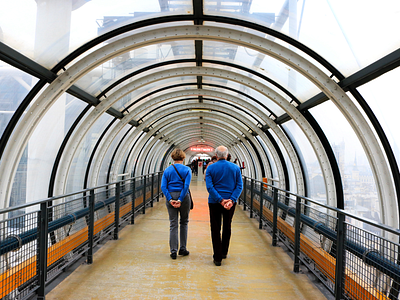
[(354, 257), (39, 240)]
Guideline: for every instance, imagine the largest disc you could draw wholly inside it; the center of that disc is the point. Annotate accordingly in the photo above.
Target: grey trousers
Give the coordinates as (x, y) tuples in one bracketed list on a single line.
[(173, 223)]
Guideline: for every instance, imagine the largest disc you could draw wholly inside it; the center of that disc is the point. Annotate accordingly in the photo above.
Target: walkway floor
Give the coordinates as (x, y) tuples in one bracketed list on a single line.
[(138, 265)]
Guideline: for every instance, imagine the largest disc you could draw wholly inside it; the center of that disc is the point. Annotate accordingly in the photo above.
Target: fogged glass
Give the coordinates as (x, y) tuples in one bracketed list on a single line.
[(118, 67), (382, 96), (331, 28), (105, 170), (360, 193), (289, 166), (275, 70), (47, 31), (77, 170), (314, 178), (14, 86)]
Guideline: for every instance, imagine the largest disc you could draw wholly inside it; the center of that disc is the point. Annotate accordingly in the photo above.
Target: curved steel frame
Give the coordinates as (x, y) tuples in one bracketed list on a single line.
[(370, 153)]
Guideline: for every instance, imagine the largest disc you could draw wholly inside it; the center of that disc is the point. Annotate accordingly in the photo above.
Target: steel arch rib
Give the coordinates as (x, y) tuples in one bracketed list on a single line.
[(238, 101), (329, 87), (187, 106), (183, 131)]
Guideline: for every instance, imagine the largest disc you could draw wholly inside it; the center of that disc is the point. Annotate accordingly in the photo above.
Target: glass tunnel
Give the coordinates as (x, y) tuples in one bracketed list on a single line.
[(302, 92)]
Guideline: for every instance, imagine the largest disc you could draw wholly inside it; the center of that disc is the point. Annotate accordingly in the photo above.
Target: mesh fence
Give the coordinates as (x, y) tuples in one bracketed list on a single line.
[(367, 261), (69, 222)]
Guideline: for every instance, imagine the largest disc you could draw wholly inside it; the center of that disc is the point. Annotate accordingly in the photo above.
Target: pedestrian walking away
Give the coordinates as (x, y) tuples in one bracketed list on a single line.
[(177, 201), (224, 185)]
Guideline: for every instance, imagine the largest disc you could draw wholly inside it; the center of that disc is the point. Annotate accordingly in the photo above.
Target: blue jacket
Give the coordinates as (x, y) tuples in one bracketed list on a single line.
[(171, 182), (223, 181)]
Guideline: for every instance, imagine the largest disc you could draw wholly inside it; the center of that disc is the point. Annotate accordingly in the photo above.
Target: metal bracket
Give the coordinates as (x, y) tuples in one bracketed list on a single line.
[(18, 239)]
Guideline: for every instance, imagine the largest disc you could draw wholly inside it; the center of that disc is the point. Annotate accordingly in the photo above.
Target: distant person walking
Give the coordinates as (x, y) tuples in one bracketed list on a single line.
[(224, 185), (178, 201)]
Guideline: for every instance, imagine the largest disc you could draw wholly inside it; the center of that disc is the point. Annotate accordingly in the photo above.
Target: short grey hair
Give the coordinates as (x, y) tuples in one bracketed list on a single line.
[(221, 152)]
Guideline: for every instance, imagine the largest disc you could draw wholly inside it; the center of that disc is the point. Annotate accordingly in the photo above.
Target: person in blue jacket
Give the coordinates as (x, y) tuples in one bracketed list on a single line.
[(178, 201), (224, 185)]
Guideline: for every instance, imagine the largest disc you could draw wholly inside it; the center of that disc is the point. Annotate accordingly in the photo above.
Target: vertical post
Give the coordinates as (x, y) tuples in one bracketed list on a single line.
[(152, 189), (296, 268), (89, 259), (158, 186), (340, 257), (275, 218), (42, 249), (251, 197), (244, 193), (116, 213), (133, 187), (261, 204), (144, 194)]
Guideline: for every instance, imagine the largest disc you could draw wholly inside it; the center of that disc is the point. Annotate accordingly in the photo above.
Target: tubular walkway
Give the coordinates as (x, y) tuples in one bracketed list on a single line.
[(138, 266)]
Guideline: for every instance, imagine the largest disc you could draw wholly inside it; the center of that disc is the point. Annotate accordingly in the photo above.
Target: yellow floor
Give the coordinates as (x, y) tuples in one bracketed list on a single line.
[(138, 265)]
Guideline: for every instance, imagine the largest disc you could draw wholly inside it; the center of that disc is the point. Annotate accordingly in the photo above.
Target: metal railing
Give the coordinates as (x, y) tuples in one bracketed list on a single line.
[(39, 240), (355, 258)]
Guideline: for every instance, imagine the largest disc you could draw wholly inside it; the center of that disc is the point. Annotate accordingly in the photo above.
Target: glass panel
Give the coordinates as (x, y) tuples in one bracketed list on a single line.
[(292, 180), (43, 146), (156, 109), (46, 31), (129, 101), (221, 108), (150, 72), (277, 71), (107, 158), (359, 185), (272, 107), (313, 174), (271, 163), (122, 166), (14, 86), (77, 171), (132, 61), (335, 23), (383, 98)]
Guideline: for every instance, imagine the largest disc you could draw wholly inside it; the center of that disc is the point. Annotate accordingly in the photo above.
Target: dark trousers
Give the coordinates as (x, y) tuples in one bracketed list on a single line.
[(218, 212)]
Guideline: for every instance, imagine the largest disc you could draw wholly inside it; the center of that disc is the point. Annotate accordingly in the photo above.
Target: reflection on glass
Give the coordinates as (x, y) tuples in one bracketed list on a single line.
[(360, 194), (313, 174)]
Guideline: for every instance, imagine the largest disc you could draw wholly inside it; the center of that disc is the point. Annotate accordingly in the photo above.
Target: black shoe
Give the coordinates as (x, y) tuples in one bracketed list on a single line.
[(173, 255), (183, 252), (217, 263), (223, 256)]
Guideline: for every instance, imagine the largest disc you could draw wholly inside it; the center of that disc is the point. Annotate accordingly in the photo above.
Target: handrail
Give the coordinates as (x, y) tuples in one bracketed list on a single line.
[(29, 275), (366, 248), (37, 202), (338, 210)]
